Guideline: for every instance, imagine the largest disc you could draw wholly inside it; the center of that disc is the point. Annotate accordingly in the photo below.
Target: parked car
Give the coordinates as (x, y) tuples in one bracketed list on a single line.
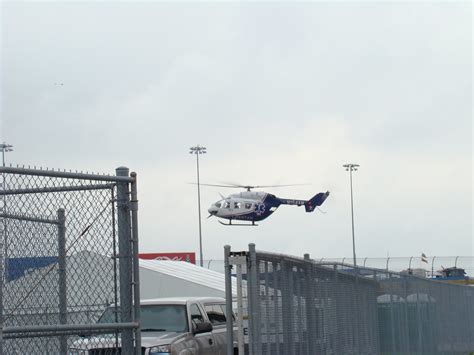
[(169, 326)]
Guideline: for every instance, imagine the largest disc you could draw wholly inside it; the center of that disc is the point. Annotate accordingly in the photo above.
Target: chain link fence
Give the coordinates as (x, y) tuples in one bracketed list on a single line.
[(300, 306), (68, 252)]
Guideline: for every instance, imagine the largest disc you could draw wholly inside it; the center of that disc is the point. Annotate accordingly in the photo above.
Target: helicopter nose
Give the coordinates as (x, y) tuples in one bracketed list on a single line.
[(212, 210)]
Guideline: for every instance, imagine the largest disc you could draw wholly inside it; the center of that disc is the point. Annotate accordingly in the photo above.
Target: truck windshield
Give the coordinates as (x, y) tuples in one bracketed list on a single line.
[(158, 318)]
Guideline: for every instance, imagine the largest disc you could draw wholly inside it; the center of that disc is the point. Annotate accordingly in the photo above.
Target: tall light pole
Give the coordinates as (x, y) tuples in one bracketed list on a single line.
[(352, 167), (5, 148), (198, 150)]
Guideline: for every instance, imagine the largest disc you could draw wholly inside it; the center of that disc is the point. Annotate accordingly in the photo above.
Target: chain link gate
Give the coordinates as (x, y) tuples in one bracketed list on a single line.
[(298, 306), (69, 251)]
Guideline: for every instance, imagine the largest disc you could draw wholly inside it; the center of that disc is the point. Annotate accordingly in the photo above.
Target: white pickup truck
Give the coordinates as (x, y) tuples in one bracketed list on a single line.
[(169, 326)]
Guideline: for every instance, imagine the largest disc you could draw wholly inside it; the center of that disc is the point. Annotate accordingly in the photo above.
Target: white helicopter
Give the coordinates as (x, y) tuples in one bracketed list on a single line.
[(253, 206)]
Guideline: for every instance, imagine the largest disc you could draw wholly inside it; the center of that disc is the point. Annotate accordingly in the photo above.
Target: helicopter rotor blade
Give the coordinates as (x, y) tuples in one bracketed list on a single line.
[(230, 184), (247, 187), (265, 186), (261, 186), (233, 184), (215, 185)]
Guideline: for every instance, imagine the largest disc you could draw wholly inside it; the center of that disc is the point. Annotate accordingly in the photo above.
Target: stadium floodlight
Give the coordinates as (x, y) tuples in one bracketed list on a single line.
[(5, 148), (352, 167), (198, 150)]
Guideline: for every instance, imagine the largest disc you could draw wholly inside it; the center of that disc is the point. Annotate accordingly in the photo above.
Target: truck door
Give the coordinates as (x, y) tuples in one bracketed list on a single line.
[(205, 342), (216, 314)]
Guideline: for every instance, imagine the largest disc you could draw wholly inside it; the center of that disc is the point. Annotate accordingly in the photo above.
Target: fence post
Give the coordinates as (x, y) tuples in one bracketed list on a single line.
[(3, 259), (292, 314), (254, 300), (277, 306), (357, 297), (125, 258), (2, 277), (432, 266), (337, 309), (136, 263), (310, 308), (267, 300), (250, 307), (299, 311), (393, 343), (62, 276), (405, 315), (240, 310), (228, 301)]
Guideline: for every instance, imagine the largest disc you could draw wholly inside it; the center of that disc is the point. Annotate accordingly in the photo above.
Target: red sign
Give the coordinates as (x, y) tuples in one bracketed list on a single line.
[(188, 257)]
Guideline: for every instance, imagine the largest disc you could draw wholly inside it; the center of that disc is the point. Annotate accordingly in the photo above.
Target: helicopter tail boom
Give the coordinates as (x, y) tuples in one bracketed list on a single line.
[(316, 200), (310, 205)]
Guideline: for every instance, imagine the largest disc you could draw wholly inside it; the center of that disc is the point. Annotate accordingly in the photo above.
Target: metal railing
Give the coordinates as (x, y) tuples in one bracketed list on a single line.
[(397, 263)]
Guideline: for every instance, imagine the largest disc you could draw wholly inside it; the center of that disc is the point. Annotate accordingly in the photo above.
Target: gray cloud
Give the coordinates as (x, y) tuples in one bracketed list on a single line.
[(278, 92)]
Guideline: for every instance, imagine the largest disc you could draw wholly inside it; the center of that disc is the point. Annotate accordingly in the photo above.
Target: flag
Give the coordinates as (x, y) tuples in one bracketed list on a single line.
[(424, 258)]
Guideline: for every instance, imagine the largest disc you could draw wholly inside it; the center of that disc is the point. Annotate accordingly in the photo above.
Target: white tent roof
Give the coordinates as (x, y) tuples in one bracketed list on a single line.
[(90, 281), (190, 273)]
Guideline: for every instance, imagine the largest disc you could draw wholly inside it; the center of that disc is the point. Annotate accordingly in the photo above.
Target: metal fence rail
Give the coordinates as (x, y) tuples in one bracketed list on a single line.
[(397, 264), (66, 255), (299, 306)]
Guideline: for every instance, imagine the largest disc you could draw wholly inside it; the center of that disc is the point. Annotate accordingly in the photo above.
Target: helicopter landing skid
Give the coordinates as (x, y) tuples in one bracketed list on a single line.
[(239, 224)]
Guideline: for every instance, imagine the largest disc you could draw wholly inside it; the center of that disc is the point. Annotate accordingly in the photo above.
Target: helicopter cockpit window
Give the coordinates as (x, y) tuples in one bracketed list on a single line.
[(217, 204), (227, 205)]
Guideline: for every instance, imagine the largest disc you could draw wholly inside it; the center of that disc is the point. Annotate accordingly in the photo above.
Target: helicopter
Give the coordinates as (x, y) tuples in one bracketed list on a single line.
[(253, 206)]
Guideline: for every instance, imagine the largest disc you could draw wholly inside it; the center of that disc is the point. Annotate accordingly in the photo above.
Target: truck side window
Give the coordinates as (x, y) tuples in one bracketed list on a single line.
[(196, 315), (224, 310), (215, 313)]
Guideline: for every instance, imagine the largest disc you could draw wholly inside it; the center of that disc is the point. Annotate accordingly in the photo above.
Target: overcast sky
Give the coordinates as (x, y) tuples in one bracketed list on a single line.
[(278, 93)]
